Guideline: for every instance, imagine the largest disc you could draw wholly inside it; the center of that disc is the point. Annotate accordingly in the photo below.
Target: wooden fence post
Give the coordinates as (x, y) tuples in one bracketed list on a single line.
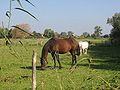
[(34, 56)]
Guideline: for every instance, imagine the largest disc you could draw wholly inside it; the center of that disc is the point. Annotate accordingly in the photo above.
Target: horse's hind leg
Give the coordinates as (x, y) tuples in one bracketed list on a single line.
[(83, 51), (86, 51), (74, 61)]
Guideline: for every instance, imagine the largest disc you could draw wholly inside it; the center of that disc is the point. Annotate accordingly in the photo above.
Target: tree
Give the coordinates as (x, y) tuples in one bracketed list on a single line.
[(70, 33), (21, 31), (4, 32), (1, 33), (115, 32), (85, 35), (56, 34), (37, 35), (106, 36), (63, 34), (48, 33), (93, 35), (98, 32)]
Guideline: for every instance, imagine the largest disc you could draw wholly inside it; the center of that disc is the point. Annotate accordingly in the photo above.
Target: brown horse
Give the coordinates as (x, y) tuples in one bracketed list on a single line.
[(57, 46)]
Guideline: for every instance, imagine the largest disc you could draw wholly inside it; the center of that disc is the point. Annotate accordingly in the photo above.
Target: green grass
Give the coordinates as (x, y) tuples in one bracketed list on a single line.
[(103, 73)]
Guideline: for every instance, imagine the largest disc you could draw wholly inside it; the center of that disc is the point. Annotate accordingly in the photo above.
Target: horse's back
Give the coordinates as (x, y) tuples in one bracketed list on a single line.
[(62, 45)]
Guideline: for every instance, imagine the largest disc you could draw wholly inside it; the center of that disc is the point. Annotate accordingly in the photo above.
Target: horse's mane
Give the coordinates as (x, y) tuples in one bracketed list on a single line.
[(73, 41), (47, 45)]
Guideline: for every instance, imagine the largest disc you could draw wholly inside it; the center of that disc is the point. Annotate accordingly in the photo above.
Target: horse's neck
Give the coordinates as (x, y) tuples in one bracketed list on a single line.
[(44, 52)]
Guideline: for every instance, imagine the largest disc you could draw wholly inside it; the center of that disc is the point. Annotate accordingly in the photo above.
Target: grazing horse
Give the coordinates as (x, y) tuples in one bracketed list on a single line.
[(57, 46), (83, 47)]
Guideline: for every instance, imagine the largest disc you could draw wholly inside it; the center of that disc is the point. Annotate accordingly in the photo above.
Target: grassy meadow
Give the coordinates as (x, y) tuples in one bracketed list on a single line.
[(16, 64)]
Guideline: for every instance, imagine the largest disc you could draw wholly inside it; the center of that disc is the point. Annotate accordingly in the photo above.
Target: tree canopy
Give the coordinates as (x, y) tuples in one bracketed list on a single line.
[(48, 33), (97, 32), (23, 32), (115, 32)]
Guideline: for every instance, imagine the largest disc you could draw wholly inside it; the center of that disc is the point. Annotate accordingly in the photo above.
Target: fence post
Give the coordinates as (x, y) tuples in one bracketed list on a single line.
[(34, 69)]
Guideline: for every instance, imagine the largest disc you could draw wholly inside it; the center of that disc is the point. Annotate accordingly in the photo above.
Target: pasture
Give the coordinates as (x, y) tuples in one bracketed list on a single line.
[(15, 68)]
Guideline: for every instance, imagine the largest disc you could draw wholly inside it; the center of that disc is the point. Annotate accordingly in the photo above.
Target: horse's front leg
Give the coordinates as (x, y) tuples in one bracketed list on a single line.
[(53, 56), (57, 57)]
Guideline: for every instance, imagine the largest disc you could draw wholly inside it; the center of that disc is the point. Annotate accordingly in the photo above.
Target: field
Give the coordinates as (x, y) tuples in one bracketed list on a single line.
[(102, 74)]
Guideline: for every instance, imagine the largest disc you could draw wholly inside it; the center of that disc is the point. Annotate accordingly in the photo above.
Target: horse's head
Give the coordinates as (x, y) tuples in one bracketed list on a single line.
[(43, 63), (77, 51)]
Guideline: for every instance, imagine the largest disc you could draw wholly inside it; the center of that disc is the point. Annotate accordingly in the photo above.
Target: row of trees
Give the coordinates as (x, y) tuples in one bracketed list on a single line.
[(50, 33), (96, 34), (24, 31)]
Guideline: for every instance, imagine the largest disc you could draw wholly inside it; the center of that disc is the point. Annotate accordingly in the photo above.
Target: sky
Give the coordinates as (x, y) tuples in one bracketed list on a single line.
[(78, 16)]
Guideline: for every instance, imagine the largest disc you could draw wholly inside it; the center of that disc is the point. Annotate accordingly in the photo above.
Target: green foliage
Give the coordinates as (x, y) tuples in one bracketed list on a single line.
[(56, 34), (36, 35), (48, 33), (115, 32), (93, 35), (106, 36), (4, 32), (98, 32), (63, 34), (85, 35), (70, 33)]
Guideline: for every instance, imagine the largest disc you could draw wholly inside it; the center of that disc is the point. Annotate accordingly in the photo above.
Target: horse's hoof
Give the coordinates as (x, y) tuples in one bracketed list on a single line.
[(71, 67), (60, 67), (42, 68)]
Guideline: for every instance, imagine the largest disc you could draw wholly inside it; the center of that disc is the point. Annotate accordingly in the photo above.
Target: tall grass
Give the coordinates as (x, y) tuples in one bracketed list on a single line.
[(9, 15)]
